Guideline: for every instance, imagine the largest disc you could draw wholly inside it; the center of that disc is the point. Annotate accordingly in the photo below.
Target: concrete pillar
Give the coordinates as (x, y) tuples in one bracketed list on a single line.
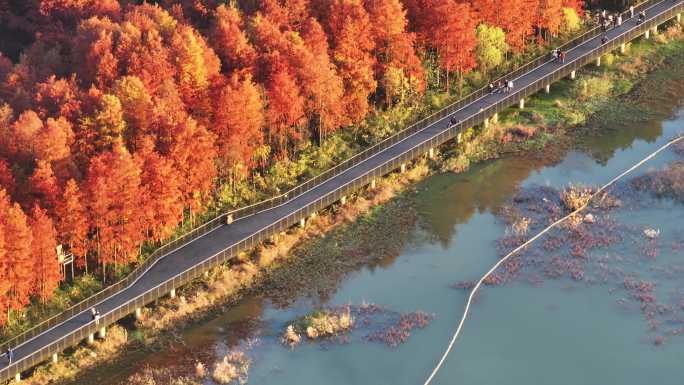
[(302, 222), (229, 219), (103, 332), (655, 30), (343, 200), (547, 89), (91, 339), (522, 103), (623, 48), (402, 168), (54, 358), (373, 183), (172, 294), (647, 34), (17, 377), (431, 153), (598, 61), (679, 18), (138, 311), (313, 215), (572, 75), (486, 123), (458, 138), (495, 118)]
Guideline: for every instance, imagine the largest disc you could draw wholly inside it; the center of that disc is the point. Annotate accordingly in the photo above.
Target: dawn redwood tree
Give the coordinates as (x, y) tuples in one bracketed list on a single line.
[(285, 109), (238, 123), (5, 283), (196, 66), (43, 187), (7, 181), (549, 17), (57, 98), (349, 29), (395, 49), (72, 223), (193, 152), (516, 17), (17, 266), (46, 269), (454, 37), (113, 195), (161, 198), (491, 47), (229, 39), (136, 106)]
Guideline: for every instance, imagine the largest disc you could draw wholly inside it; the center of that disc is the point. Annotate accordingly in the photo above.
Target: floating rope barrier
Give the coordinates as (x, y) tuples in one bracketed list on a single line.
[(528, 242)]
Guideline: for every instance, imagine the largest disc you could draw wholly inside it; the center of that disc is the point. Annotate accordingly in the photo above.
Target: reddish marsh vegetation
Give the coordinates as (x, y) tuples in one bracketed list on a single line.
[(607, 245)]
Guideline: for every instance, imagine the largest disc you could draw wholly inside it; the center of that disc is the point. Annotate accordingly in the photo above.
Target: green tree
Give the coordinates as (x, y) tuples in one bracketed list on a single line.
[(491, 47)]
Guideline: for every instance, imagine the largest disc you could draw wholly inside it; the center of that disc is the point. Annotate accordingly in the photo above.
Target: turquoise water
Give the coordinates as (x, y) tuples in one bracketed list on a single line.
[(562, 332)]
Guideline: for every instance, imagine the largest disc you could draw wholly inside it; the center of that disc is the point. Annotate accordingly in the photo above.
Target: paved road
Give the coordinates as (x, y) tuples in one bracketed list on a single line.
[(227, 235)]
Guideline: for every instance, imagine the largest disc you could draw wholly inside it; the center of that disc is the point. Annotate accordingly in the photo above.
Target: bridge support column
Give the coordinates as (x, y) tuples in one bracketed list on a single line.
[(495, 118), (431, 153), (172, 294), (522, 103), (229, 219), (573, 74), (17, 377), (647, 34), (598, 61), (102, 333), (402, 168), (91, 339), (138, 312), (54, 358), (654, 30), (547, 89), (343, 200), (623, 48), (302, 222), (486, 123), (679, 18), (372, 183)]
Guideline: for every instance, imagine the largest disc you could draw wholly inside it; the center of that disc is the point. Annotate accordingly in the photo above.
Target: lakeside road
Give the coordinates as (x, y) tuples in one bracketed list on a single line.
[(207, 246)]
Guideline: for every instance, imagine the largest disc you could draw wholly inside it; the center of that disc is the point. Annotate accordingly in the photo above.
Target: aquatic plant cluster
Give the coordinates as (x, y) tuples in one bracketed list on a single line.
[(606, 246), (371, 322)]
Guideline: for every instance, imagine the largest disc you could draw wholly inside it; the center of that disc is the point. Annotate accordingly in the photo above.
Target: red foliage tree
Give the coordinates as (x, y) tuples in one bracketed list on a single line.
[(43, 187), (56, 98), (17, 266), (453, 29), (395, 46), (285, 109), (230, 40), (239, 120), (113, 196), (516, 17), (46, 268), (72, 223), (161, 198), (349, 29), (7, 181)]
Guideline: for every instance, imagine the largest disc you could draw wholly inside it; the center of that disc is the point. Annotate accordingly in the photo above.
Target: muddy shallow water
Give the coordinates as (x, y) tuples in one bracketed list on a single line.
[(559, 331)]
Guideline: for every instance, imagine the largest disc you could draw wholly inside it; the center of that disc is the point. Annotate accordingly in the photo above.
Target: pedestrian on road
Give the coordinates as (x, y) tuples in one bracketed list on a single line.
[(10, 355), (642, 17), (491, 88), (96, 315), (615, 21), (453, 121), (554, 53), (500, 86), (604, 39), (562, 56), (619, 19), (510, 85)]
